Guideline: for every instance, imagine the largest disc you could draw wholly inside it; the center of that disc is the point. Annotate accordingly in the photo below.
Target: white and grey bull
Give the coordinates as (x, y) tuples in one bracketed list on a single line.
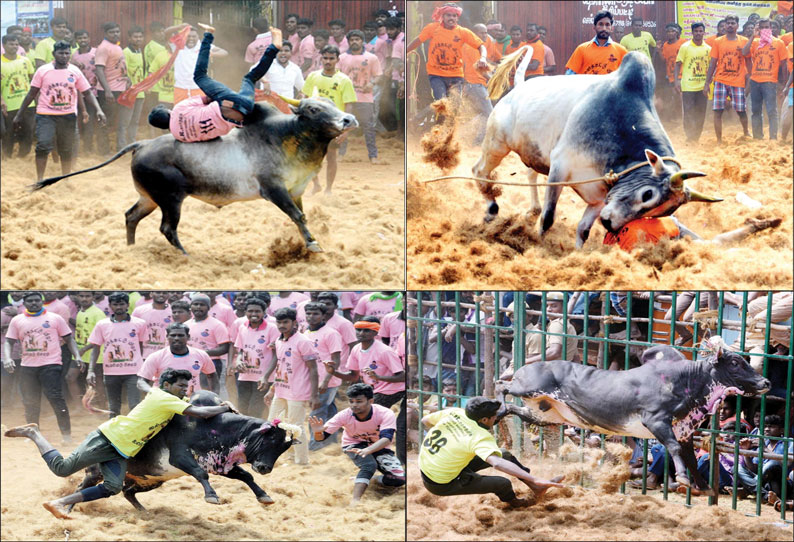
[(667, 398), (579, 127), (273, 157)]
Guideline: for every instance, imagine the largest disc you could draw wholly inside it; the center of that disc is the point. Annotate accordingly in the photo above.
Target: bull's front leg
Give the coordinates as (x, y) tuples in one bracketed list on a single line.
[(587, 221), (274, 190), (244, 476)]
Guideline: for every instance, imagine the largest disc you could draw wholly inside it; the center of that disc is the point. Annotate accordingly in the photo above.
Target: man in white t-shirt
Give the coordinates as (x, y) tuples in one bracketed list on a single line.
[(185, 65), (284, 77)]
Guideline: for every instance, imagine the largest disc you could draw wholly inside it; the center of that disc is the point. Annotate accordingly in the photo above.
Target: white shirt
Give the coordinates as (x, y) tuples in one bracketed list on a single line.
[(185, 65), (284, 80)]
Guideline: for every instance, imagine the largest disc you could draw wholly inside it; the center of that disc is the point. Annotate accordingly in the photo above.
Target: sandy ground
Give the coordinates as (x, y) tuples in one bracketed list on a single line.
[(72, 235), (575, 513), (449, 245), (311, 501)]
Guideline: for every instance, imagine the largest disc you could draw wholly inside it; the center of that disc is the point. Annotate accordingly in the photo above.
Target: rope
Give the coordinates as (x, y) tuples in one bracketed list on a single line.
[(610, 178)]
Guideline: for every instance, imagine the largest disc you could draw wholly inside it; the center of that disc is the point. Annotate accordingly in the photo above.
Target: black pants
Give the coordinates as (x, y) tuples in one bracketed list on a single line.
[(468, 482), (47, 379), (694, 107), (87, 130), (250, 400), (387, 401), (113, 386), (10, 385), (23, 136), (111, 111)]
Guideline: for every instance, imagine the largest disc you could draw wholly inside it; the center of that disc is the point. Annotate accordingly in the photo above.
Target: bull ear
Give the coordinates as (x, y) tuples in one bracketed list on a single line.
[(716, 345), (294, 109), (655, 161), (267, 426)]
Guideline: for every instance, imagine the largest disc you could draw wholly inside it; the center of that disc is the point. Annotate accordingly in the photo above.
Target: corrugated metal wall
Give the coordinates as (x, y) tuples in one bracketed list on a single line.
[(91, 16), (354, 13)]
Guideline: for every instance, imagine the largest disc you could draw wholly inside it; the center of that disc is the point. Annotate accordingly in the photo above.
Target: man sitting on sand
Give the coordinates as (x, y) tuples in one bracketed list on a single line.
[(118, 439), (460, 443), (203, 118)]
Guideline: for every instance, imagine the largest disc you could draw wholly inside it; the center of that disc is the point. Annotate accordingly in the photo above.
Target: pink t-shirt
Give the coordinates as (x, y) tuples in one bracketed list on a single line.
[(391, 326), (111, 56), (234, 329), (399, 347), (196, 361), (121, 342), (382, 50), (157, 321), (223, 312), (306, 50), (254, 347), (142, 301), (342, 45), (59, 89), (381, 359), (292, 372), (291, 301), (345, 328), (326, 341), (362, 69), (398, 52), (356, 431), (256, 48), (348, 300), (58, 307), (103, 305), (193, 120), (39, 337), (89, 67), (71, 305), (207, 334), (295, 41), (375, 307)]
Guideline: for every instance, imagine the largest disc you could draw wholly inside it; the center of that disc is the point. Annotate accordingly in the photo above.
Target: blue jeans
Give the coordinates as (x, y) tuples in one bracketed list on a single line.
[(443, 85), (243, 100), (760, 94), (326, 411), (477, 95)]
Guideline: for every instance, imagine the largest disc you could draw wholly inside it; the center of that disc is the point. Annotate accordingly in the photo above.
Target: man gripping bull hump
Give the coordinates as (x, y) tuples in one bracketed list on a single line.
[(203, 118), (118, 439), (460, 443)]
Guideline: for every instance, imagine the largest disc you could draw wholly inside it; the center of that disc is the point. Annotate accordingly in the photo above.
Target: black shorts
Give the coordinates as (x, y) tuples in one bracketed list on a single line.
[(52, 130)]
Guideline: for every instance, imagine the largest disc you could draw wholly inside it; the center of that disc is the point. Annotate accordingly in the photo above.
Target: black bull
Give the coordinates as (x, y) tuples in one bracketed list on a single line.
[(667, 398), (195, 447), (273, 157)]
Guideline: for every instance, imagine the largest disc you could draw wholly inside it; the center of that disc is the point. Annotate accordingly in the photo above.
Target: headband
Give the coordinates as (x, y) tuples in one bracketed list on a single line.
[(373, 326), (446, 8)]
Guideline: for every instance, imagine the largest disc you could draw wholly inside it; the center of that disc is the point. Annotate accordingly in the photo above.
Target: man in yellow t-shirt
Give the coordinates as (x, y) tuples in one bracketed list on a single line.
[(639, 40), (459, 443), (691, 65), (118, 439)]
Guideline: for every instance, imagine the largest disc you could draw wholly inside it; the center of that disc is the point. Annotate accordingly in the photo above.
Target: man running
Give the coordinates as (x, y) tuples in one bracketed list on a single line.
[(118, 439), (203, 118)]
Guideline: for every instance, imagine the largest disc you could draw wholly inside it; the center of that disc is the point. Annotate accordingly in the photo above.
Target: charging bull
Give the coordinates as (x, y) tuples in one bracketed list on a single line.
[(273, 157), (666, 398), (579, 127), (196, 447)]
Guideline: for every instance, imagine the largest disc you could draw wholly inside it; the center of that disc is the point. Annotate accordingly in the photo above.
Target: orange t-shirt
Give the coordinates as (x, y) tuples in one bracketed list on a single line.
[(669, 53), (470, 73), (445, 54), (539, 54), (710, 40), (786, 38), (643, 229), (790, 59), (591, 58), (510, 49), (731, 66), (493, 50), (766, 61)]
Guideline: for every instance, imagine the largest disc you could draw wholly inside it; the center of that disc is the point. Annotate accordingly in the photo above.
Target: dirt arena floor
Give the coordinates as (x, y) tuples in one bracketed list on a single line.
[(311, 501), (449, 245), (72, 234), (598, 512)]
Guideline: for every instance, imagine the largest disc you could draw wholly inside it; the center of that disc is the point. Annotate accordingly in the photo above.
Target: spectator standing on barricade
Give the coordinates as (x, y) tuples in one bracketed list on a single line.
[(639, 39), (766, 54), (120, 337), (136, 71), (253, 345), (208, 334), (84, 58), (284, 77), (600, 55), (16, 71), (44, 53), (39, 334), (691, 65), (112, 81), (549, 64), (728, 70)]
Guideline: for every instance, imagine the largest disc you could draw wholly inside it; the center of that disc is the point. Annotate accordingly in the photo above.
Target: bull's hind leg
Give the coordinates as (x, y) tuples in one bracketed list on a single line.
[(493, 151), (172, 211), (131, 489), (557, 174), (276, 192), (142, 208), (244, 476)]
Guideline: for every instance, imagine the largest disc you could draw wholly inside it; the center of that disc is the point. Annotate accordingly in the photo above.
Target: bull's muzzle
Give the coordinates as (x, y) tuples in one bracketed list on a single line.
[(262, 468), (348, 122)]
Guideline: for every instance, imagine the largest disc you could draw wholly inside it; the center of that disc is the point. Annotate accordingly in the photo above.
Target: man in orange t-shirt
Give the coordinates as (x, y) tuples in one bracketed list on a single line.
[(766, 53), (474, 90), (728, 69), (669, 51), (445, 54), (538, 54), (600, 55), (720, 32), (515, 40)]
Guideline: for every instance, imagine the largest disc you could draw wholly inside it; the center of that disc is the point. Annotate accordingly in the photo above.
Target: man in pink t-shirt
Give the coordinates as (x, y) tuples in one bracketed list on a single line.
[(255, 49), (338, 38), (368, 430), (112, 81), (221, 309), (59, 87), (208, 334), (254, 345), (379, 366), (296, 378), (363, 69), (157, 316), (39, 334), (348, 302), (178, 355), (378, 304), (391, 327), (342, 325), (291, 30), (304, 53), (121, 336), (286, 300)]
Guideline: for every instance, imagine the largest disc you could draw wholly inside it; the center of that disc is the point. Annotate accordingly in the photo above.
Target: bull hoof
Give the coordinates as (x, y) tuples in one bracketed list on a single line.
[(265, 499), (212, 499), (488, 218), (314, 246)]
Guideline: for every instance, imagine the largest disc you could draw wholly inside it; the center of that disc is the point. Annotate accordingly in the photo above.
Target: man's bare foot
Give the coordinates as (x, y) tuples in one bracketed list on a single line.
[(23, 430), (327, 192), (772, 498), (374, 160), (762, 224), (315, 188), (207, 28), (66, 439), (57, 510), (277, 37), (354, 503)]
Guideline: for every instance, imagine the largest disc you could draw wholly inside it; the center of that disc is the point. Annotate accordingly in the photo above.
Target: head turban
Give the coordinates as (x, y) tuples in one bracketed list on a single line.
[(449, 7)]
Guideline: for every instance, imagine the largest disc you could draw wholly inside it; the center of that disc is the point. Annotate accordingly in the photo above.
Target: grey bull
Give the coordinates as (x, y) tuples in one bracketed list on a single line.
[(666, 398)]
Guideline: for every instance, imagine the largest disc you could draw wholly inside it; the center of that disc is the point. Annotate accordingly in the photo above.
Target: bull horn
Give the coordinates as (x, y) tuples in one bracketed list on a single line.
[(290, 101), (678, 178), (694, 195)]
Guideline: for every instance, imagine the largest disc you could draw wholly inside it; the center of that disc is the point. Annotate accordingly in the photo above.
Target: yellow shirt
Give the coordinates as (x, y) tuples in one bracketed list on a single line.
[(694, 61), (452, 442), (338, 88), (642, 44), (129, 433)]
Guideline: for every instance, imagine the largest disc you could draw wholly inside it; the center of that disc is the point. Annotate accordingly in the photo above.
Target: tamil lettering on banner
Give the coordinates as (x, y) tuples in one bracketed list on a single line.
[(710, 13), (621, 12)]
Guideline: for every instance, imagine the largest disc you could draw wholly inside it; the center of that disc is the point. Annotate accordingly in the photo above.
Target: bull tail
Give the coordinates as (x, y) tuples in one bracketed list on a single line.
[(500, 81), (52, 180)]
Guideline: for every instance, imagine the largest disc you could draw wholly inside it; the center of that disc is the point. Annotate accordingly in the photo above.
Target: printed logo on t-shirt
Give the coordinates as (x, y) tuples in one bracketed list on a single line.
[(196, 366), (45, 324)]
